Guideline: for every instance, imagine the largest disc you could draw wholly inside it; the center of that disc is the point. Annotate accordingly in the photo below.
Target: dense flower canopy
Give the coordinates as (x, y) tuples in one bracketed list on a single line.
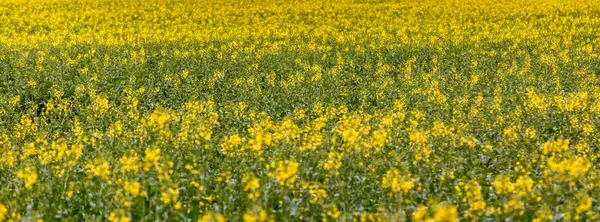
[(262, 110)]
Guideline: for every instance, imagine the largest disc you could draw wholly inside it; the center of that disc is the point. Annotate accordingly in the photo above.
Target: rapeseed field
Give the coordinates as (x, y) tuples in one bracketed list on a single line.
[(299, 110)]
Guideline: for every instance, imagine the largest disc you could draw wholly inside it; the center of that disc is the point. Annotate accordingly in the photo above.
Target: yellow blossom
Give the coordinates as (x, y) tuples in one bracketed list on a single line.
[(151, 158), (396, 183), (212, 217), (28, 176), (284, 172), (132, 188)]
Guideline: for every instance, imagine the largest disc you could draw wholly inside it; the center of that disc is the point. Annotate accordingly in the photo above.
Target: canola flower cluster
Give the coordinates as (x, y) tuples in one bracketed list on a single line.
[(256, 110)]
